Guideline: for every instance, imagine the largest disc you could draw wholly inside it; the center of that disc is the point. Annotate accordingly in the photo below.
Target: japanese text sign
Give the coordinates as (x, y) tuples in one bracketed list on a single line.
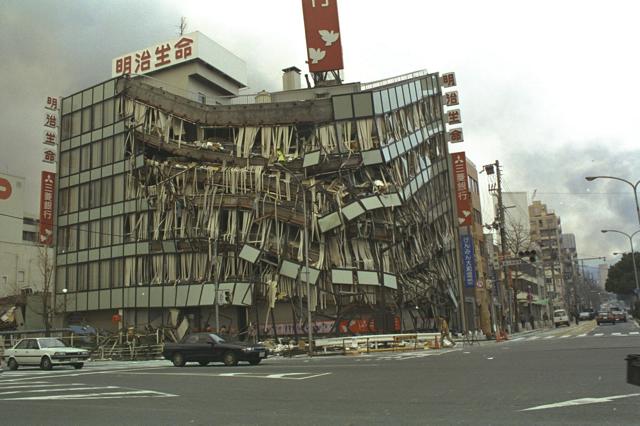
[(468, 261), (156, 57), (47, 191), (51, 123), (451, 98), (455, 136), (453, 116), (461, 187), (322, 32), (449, 79)]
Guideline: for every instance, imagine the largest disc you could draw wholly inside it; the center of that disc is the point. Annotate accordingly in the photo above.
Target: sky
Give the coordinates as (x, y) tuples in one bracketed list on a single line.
[(548, 88)]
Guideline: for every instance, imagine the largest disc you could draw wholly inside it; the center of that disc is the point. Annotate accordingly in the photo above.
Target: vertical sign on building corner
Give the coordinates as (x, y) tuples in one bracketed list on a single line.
[(452, 116), (468, 260), (47, 193), (322, 31), (48, 178), (463, 195)]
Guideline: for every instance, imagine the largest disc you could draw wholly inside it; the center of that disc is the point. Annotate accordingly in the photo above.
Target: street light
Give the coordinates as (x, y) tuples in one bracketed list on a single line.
[(633, 185), (306, 251), (633, 255)]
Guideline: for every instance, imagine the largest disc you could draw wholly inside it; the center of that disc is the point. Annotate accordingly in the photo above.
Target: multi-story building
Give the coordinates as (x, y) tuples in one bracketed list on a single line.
[(545, 232), (20, 255), (478, 299), (177, 195)]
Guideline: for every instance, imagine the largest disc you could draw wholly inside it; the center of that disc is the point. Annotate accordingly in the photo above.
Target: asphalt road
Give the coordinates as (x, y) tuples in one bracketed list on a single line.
[(570, 375)]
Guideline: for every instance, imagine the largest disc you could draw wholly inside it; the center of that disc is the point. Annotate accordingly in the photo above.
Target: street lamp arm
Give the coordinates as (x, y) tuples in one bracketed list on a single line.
[(590, 178), (604, 231)]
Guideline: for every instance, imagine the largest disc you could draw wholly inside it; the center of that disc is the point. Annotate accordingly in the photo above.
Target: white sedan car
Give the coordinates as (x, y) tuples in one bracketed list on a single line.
[(45, 352)]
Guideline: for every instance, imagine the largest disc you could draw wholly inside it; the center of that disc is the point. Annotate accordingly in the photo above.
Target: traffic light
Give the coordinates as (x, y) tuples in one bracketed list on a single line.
[(531, 254)]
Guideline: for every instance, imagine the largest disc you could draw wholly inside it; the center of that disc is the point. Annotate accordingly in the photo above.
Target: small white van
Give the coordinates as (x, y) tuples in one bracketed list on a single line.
[(560, 317)]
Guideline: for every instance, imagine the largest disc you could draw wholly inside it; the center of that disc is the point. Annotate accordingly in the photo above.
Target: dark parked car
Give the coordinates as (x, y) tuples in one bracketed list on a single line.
[(605, 316), (204, 348)]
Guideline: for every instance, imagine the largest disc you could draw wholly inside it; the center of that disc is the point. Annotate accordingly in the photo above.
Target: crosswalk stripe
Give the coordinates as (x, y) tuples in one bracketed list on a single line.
[(565, 336), (599, 334), (550, 337), (616, 334), (581, 335), (634, 333)]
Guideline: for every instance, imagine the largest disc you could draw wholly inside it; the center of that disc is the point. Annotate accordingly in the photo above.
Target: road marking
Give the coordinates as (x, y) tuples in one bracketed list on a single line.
[(581, 401), (105, 395), (534, 337), (280, 376), (44, 385), (58, 390), (599, 334), (617, 334), (550, 337), (581, 335), (634, 333), (565, 336)]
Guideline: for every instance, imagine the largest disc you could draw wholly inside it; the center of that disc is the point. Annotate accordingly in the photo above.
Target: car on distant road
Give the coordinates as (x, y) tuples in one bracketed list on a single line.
[(204, 348), (585, 316), (605, 316), (560, 317), (619, 315), (46, 352)]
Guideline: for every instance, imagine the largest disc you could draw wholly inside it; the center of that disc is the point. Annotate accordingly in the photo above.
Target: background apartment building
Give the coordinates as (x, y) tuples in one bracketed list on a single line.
[(545, 232)]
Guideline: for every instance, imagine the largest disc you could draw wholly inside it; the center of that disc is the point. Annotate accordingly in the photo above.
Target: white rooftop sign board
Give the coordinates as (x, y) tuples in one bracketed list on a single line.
[(182, 49)]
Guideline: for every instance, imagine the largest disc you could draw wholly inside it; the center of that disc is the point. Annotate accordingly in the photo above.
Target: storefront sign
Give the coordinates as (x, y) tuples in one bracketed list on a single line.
[(322, 30), (468, 261)]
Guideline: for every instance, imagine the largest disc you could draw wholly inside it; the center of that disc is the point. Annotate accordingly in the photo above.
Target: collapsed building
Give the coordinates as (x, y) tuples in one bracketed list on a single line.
[(178, 196)]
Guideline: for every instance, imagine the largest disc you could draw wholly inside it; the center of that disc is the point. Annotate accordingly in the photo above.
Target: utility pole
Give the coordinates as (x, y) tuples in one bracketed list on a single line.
[(512, 319)]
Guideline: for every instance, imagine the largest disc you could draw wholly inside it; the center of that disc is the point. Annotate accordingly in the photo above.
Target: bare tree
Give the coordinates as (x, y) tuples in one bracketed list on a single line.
[(183, 26), (518, 238), (45, 305)]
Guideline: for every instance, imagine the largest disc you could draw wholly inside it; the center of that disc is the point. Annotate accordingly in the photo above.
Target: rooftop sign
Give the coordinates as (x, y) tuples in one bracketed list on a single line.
[(178, 50)]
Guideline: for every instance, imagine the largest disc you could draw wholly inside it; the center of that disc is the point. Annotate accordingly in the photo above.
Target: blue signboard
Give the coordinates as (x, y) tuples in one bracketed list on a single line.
[(468, 261)]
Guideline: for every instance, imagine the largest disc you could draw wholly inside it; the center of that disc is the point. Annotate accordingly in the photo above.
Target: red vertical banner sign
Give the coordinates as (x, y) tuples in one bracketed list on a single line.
[(47, 191), (461, 182), (322, 31)]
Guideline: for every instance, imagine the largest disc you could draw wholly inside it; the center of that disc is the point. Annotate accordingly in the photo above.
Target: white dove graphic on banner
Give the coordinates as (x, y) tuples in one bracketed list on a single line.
[(329, 37), (316, 55)]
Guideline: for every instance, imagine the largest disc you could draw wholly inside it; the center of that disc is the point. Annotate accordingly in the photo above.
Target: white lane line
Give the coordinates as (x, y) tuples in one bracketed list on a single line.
[(581, 335), (58, 390), (599, 334), (534, 337), (549, 337), (104, 395), (581, 401), (51, 376), (281, 376), (634, 333), (314, 376), (616, 334), (41, 385), (10, 382), (565, 336)]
